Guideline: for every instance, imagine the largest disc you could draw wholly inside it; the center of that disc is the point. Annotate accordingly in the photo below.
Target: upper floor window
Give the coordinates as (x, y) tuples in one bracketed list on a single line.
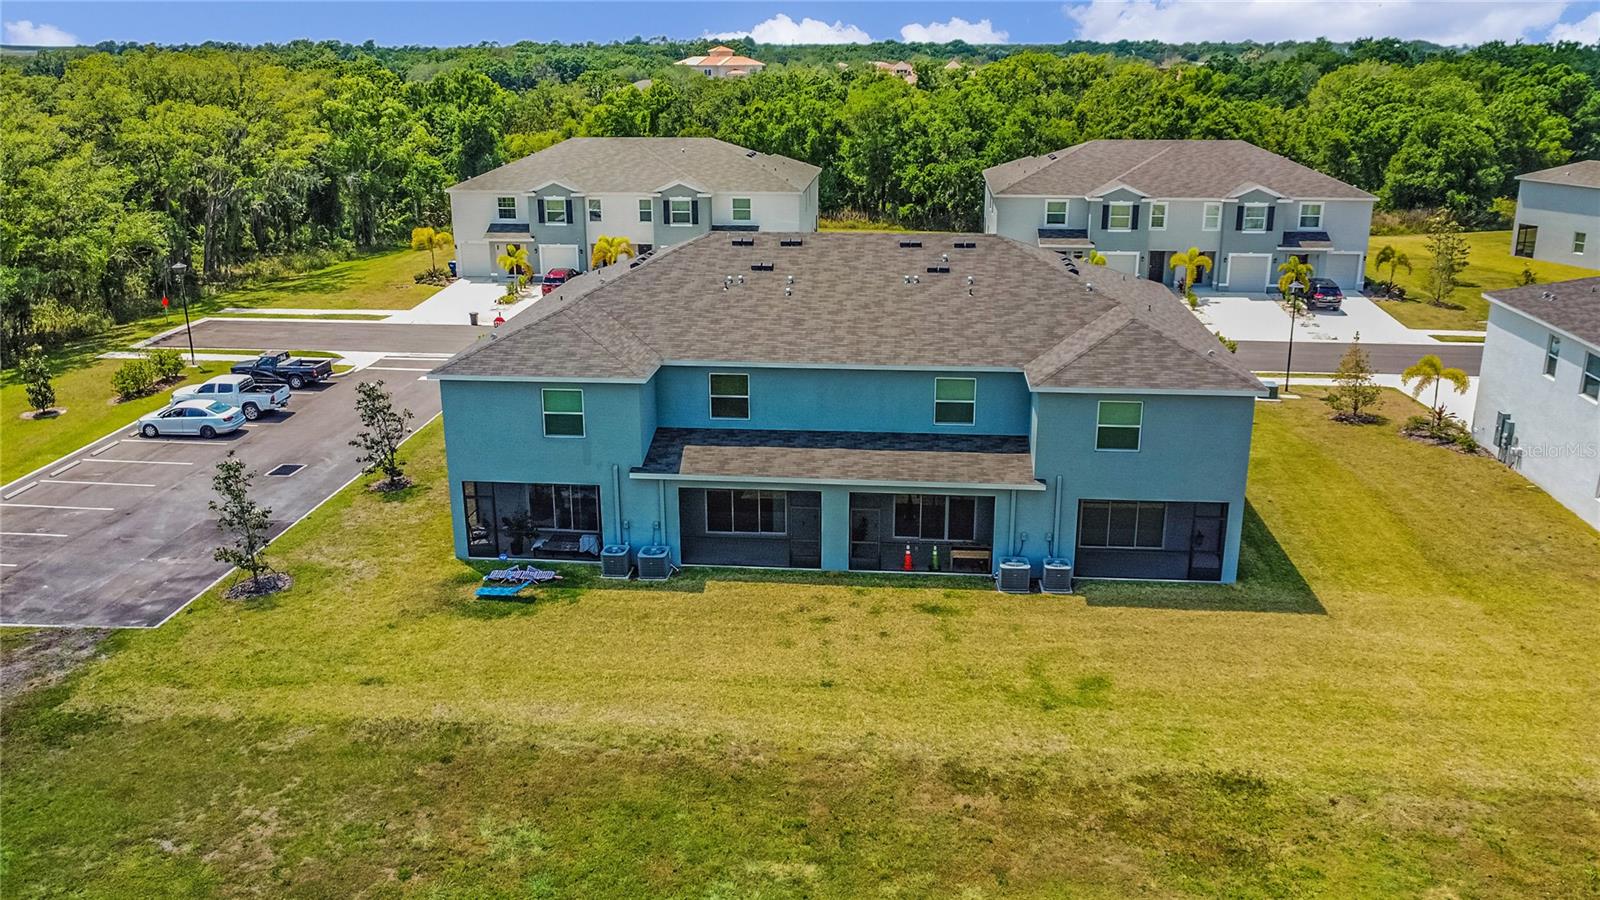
[(594, 210), (1211, 220), (646, 211), (955, 401), (1311, 216), (682, 209), (1589, 385), (1055, 212), (1120, 217), (1552, 353), (730, 395), (741, 209), (935, 517), (507, 207), (1117, 424), (747, 512), (555, 210), (1254, 218), (563, 412), (1579, 241), (1158, 216)]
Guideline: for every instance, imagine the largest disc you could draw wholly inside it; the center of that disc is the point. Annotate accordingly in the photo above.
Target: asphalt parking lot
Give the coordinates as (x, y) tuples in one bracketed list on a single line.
[(337, 335), (118, 533)]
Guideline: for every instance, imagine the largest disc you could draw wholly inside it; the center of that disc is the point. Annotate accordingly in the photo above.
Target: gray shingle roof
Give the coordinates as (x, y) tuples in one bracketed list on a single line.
[(850, 305), (841, 456), (1572, 306), (632, 165), (1583, 173), (1195, 169)]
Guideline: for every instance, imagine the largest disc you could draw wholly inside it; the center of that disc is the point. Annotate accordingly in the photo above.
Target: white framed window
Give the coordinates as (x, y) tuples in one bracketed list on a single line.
[(563, 412), (594, 210), (1118, 424), (1120, 217), (955, 401), (1552, 354), (1055, 212), (1589, 384), (730, 395), (682, 210), (1122, 524), (1158, 217), (507, 207), (647, 211), (555, 210), (1580, 240), (1255, 217), (741, 209), (1310, 216), (1211, 218), (747, 512)]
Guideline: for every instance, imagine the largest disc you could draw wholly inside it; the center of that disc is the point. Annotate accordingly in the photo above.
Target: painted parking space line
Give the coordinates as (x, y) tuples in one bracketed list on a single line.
[(20, 490), (194, 443), (106, 447), (52, 506), (102, 483), (48, 534), (8, 565), (65, 467), (145, 462), (395, 369)]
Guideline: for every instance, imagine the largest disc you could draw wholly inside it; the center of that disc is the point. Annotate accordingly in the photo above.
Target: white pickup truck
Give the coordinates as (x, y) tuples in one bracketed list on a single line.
[(237, 390)]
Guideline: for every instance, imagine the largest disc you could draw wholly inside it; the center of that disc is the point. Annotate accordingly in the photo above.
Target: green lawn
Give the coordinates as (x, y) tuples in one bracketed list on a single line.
[(1490, 265), (381, 280), (1389, 703)]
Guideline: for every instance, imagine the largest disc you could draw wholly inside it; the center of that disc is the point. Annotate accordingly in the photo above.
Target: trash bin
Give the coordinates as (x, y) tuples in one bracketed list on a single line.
[(473, 315), (452, 268)]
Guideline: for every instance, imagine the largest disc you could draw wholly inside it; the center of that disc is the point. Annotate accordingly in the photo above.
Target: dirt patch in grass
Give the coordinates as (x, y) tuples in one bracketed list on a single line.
[(41, 657)]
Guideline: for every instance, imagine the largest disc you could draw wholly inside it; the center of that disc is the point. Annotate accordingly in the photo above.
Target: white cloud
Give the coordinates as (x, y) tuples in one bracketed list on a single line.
[(957, 29), (23, 33), (1584, 31), (1441, 21), (780, 29)]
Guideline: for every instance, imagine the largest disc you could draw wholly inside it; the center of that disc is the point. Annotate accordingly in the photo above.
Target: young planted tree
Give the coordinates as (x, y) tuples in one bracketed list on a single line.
[(1394, 259), (1095, 258), (514, 260), (428, 239), (243, 521), (34, 373), (383, 428), (1354, 390), (1449, 250), (1430, 371), (1193, 262)]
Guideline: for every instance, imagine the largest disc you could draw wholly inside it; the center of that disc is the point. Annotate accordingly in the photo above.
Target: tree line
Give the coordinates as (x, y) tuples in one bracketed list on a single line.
[(120, 161)]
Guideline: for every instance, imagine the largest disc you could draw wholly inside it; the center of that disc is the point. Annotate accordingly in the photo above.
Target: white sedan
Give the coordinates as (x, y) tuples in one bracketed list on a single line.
[(207, 418)]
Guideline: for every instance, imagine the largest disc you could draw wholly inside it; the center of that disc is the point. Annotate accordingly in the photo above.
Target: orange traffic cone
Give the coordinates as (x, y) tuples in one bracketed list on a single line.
[(908, 558)]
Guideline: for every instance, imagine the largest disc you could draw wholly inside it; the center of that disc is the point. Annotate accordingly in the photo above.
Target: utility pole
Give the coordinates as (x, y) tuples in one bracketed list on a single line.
[(1294, 310), (178, 268)]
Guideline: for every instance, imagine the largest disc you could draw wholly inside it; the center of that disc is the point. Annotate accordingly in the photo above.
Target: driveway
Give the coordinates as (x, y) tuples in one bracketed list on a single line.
[(337, 336), (118, 533), (1262, 319)]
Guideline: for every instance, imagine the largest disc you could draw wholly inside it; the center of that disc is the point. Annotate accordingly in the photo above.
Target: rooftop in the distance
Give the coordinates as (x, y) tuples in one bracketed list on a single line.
[(1583, 173), (629, 165), (862, 300), (1571, 306)]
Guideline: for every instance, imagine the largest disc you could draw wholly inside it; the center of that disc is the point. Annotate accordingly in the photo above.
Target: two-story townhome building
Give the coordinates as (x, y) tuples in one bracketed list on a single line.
[(1141, 202), (1558, 214), (860, 401), (654, 191), (1539, 389)]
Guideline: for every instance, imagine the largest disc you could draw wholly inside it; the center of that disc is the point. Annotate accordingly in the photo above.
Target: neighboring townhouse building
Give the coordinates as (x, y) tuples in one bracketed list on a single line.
[(723, 62), (844, 401), (1140, 202), (1539, 389), (653, 191), (1558, 215)]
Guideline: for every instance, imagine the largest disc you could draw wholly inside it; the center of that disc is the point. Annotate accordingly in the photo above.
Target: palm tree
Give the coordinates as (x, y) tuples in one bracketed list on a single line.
[(1394, 259), (1293, 271), (428, 239), (1095, 258), (514, 259), (1431, 370), (1193, 262), (608, 250)]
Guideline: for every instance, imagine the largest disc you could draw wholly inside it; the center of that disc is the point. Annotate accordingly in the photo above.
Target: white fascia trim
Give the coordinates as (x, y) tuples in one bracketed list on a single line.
[(558, 183), (823, 365), (540, 379), (1099, 193), (844, 482), (1161, 392), (705, 192), (1588, 345), (1247, 188)]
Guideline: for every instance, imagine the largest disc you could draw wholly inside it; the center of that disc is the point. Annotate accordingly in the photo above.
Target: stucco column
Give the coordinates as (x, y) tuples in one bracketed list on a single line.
[(835, 529)]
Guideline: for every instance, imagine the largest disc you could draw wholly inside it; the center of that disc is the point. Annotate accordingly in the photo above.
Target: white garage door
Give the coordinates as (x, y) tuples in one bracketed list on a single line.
[(557, 256), (1344, 269), (1127, 263), (1247, 272)]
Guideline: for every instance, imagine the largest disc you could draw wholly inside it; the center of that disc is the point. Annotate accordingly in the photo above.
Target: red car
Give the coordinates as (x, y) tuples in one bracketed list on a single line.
[(555, 278)]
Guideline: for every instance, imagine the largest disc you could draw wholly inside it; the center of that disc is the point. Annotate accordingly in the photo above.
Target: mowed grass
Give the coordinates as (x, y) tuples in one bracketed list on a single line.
[(91, 414), (380, 280), (1490, 265), (1397, 699)]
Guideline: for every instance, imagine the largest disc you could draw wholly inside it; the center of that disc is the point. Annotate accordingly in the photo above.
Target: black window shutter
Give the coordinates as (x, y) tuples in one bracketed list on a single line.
[(539, 202), (666, 212), (1238, 217), (570, 220), (1270, 211), (1133, 223), (694, 212), (1105, 216)]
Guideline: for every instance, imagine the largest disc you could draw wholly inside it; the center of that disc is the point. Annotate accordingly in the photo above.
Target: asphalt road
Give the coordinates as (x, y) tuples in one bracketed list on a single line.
[(118, 533), (1323, 356), (337, 335)]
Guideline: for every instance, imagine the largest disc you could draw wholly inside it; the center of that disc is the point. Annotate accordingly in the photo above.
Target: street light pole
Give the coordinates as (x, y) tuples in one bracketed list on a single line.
[(179, 269)]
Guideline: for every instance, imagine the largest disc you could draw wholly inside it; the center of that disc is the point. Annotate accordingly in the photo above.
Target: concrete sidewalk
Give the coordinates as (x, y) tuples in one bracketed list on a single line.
[(455, 304)]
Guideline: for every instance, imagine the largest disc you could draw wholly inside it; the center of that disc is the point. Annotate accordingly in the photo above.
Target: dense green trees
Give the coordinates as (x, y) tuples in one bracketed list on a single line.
[(122, 160)]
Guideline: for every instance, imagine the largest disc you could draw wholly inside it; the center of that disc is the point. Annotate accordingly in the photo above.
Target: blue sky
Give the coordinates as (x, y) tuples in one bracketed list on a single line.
[(455, 23)]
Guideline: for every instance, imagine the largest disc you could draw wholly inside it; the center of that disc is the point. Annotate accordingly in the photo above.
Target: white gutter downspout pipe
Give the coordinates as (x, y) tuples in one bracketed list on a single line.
[(1055, 518)]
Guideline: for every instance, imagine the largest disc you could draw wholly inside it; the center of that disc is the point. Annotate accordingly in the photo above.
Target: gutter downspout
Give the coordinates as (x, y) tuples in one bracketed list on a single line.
[(661, 503), (616, 499), (1055, 519), (1011, 526)]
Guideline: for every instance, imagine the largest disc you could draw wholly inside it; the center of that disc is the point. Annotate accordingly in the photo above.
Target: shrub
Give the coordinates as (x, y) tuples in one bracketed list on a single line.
[(55, 323), (165, 362), (1448, 431), (134, 378), (1231, 344), (34, 373)]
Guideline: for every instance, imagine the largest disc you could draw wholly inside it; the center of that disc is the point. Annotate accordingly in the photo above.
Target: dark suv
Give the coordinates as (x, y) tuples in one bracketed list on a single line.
[(1322, 293)]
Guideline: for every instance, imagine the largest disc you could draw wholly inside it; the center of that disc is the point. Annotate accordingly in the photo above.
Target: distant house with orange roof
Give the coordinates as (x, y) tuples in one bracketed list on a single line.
[(722, 62)]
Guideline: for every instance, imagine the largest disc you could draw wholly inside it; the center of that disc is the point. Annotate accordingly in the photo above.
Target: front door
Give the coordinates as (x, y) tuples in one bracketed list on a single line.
[(1158, 265), (1205, 541), (864, 537)]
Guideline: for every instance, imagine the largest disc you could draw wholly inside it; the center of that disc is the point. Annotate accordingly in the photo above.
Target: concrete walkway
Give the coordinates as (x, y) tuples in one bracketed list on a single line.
[(455, 304)]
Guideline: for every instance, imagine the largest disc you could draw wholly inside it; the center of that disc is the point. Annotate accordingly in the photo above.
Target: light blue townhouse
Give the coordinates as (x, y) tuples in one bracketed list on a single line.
[(838, 401), (1139, 203)]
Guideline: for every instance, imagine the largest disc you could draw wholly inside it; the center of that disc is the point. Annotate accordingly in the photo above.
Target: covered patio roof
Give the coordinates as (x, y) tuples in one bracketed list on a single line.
[(995, 462), (1064, 237)]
